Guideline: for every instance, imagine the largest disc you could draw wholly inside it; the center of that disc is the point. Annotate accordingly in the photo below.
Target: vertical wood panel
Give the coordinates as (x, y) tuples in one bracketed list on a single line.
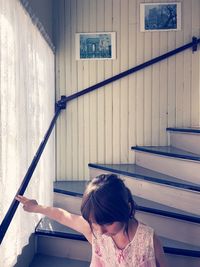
[(93, 95), (86, 82), (108, 89), (80, 159), (124, 82), (100, 92), (195, 65), (132, 78), (116, 85)]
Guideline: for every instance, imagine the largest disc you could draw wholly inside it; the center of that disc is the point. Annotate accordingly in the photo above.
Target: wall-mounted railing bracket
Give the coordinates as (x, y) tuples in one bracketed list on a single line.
[(62, 103), (194, 44)]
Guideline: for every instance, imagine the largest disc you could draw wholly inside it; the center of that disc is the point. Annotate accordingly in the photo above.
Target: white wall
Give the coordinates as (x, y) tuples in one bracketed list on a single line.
[(27, 106), (102, 126)]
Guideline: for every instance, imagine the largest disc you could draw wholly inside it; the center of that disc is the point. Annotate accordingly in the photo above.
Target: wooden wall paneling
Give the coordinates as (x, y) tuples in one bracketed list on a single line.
[(155, 89), (171, 99), (163, 90), (86, 82), (116, 85), (195, 116), (124, 82), (108, 89), (133, 17), (179, 80), (93, 95), (80, 70), (139, 84), (67, 132), (101, 91), (147, 90), (187, 57), (74, 89)]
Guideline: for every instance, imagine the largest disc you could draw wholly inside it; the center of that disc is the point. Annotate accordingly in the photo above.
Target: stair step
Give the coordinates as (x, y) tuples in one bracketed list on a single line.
[(195, 130), (76, 188), (168, 151), (167, 221), (139, 172), (152, 185), (51, 228), (187, 139), (170, 161), (50, 261)]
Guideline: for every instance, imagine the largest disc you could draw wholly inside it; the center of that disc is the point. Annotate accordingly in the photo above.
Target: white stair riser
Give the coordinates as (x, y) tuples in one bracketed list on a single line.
[(182, 261), (164, 194), (74, 249), (180, 168), (63, 247), (175, 229), (165, 226), (185, 141)]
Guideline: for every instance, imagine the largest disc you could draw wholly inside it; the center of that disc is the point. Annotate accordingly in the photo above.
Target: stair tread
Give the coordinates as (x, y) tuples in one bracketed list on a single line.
[(168, 151), (184, 129), (50, 227), (51, 261), (136, 171), (65, 187)]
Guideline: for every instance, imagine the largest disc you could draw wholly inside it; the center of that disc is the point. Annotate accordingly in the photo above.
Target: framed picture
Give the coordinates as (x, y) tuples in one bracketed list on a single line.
[(160, 16), (96, 46)]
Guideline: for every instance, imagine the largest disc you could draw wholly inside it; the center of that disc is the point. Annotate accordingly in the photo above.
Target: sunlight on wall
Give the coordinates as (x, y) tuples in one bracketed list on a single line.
[(26, 109)]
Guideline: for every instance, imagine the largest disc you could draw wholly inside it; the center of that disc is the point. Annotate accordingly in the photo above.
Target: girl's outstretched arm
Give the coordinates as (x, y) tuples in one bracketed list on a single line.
[(76, 222), (159, 253)]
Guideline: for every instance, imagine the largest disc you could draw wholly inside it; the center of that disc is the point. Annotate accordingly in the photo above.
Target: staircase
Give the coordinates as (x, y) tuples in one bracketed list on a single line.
[(165, 182)]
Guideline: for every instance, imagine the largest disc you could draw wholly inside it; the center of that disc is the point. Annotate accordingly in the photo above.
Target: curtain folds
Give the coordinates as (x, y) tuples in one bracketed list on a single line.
[(26, 109)]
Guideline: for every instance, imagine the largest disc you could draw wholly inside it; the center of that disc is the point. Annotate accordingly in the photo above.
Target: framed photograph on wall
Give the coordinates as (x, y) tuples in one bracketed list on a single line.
[(96, 46), (160, 16)]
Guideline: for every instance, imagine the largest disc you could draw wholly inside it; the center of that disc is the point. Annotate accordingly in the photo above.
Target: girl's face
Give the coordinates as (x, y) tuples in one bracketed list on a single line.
[(110, 229)]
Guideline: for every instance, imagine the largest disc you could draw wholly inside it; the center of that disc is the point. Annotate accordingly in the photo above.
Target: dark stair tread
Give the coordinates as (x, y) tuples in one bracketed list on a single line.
[(51, 261), (185, 129), (143, 204), (168, 151), (50, 227), (136, 171)]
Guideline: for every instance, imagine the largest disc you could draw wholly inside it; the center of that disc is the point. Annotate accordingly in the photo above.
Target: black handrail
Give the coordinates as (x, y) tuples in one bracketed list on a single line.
[(192, 44), (13, 207), (61, 104)]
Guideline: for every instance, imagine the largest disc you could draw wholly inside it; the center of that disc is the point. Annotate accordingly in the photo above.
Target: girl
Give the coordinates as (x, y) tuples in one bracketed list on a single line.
[(108, 223)]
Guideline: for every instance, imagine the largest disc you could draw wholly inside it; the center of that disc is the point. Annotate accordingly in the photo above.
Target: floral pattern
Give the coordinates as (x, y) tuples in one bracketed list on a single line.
[(138, 253)]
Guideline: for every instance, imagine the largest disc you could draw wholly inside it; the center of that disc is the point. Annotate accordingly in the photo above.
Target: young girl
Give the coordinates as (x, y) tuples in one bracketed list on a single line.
[(108, 223)]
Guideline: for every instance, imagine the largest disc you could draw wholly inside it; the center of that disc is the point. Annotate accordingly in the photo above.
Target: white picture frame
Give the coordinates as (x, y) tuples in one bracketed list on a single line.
[(95, 46), (160, 16)]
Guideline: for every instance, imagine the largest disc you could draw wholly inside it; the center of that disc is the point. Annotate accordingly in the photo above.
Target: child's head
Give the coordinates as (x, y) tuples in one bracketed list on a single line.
[(107, 200)]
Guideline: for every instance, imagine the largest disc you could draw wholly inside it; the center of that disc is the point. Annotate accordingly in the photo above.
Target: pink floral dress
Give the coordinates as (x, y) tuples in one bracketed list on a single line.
[(138, 253)]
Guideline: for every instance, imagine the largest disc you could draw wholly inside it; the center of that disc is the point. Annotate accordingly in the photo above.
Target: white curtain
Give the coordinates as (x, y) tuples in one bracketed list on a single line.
[(26, 108)]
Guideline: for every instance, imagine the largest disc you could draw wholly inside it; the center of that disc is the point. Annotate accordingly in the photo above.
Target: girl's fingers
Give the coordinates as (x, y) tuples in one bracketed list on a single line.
[(21, 199)]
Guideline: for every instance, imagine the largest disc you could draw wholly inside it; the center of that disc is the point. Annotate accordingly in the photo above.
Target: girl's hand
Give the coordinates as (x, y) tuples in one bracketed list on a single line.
[(29, 205)]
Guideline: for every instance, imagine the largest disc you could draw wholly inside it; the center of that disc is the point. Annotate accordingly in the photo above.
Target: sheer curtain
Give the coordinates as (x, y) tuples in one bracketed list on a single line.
[(26, 108)]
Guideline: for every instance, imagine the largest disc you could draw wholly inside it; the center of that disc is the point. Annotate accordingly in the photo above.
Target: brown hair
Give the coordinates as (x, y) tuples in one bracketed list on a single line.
[(107, 200)]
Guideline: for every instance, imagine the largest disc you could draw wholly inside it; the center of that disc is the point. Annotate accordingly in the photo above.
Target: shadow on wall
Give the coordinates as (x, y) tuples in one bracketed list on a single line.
[(28, 252)]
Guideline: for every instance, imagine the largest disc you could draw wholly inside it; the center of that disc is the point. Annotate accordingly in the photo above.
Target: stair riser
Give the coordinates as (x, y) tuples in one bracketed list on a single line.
[(74, 249), (62, 247), (181, 261), (180, 168), (171, 228), (164, 194), (189, 142), (165, 226)]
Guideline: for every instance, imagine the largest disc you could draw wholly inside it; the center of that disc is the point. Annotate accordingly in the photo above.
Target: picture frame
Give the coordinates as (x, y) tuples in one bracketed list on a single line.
[(95, 46), (160, 16)]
